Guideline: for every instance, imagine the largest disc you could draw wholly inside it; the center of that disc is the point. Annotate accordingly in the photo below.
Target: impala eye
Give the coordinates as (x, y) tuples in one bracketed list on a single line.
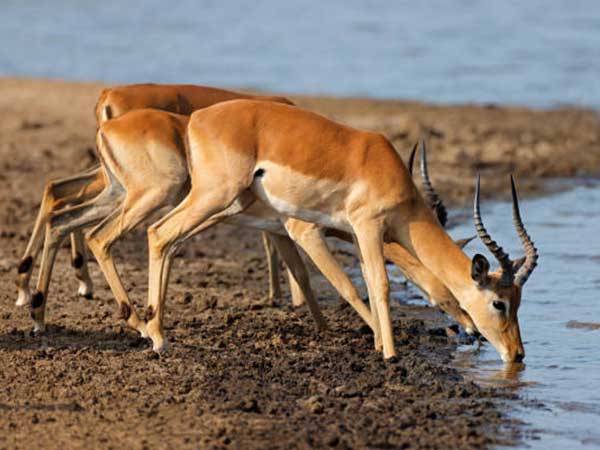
[(500, 306)]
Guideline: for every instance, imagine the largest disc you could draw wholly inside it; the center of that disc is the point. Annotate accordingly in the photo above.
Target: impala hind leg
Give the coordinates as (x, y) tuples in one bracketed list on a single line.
[(299, 273), (59, 226), (57, 194), (310, 238), (101, 238), (369, 235), (198, 211)]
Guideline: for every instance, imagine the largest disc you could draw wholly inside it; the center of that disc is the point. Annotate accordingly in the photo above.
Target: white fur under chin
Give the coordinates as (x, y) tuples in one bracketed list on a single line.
[(23, 298)]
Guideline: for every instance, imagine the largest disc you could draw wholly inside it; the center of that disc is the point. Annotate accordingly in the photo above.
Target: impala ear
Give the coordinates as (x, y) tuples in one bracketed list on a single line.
[(517, 263), (462, 243), (480, 267)]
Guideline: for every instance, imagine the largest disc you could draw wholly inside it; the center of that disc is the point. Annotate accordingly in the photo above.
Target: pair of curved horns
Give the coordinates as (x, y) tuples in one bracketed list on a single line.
[(524, 270)]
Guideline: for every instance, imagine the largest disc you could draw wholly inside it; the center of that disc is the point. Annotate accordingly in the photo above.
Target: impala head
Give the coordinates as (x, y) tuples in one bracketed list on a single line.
[(496, 302)]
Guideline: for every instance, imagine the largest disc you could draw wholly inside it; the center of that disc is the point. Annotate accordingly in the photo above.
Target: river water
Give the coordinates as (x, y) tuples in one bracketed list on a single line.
[(534, 52), (559, 317)]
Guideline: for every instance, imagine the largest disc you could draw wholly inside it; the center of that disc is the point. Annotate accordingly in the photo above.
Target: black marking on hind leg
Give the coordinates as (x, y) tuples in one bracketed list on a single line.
[(124, 311), (25, 265), (149, 314), (37, 300), (89, 296), (259, 173), (77, 262)]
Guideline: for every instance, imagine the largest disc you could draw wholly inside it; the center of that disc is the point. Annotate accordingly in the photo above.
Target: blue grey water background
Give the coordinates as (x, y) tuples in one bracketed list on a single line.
[(535, 52), (538, 53)]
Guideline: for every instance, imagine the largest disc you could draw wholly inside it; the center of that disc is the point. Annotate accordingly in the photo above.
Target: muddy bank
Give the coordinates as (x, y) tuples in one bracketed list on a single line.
[(243, 373)]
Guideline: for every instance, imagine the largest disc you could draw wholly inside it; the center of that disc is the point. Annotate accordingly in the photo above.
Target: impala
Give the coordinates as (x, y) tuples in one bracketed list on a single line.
[(76, 189), (305, 166), (143, 159)]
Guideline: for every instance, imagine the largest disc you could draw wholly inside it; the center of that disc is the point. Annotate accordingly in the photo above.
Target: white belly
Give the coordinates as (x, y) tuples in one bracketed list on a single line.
[(296, 195)]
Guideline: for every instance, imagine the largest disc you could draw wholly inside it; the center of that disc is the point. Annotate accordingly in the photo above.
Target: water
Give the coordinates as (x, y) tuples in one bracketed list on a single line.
[(562, 366), (536, 52)]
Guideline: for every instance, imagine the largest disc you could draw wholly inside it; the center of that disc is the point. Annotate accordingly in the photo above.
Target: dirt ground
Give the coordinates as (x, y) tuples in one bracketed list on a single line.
[(242, 372)]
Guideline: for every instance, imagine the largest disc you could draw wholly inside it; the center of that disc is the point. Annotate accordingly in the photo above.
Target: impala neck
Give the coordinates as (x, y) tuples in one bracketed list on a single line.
[(423, 236)]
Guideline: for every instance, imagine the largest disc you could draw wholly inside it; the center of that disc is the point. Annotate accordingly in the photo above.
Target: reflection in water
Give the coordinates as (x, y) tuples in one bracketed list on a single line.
[(558, 316), (498, 374)]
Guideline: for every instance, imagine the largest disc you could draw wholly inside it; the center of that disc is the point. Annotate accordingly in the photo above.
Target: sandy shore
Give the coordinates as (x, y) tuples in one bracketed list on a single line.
[(244, 374)]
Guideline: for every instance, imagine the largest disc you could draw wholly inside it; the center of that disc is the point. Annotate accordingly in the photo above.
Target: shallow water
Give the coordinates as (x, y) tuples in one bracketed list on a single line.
[(536, 52), (558, 316)]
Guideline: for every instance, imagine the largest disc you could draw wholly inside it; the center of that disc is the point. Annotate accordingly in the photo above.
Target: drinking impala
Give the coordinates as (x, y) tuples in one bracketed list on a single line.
[(310, 168)]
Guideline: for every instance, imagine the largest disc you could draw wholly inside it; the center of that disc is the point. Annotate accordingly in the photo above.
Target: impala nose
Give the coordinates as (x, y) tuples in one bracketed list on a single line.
[(519, 357)]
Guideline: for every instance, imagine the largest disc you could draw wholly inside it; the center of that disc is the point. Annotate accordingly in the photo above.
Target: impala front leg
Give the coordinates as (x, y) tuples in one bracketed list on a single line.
[(299, 275), (377, 341), (273, 267), (309, 237), (369, 235), (296, 291)]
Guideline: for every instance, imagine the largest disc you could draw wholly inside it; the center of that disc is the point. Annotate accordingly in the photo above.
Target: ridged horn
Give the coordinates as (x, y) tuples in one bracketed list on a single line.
[(433, 199), (493, 247), (531, 254), (411, 158)]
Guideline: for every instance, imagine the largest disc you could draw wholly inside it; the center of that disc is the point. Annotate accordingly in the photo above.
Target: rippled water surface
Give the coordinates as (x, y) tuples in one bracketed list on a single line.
[(534, 52), (559, 317)]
